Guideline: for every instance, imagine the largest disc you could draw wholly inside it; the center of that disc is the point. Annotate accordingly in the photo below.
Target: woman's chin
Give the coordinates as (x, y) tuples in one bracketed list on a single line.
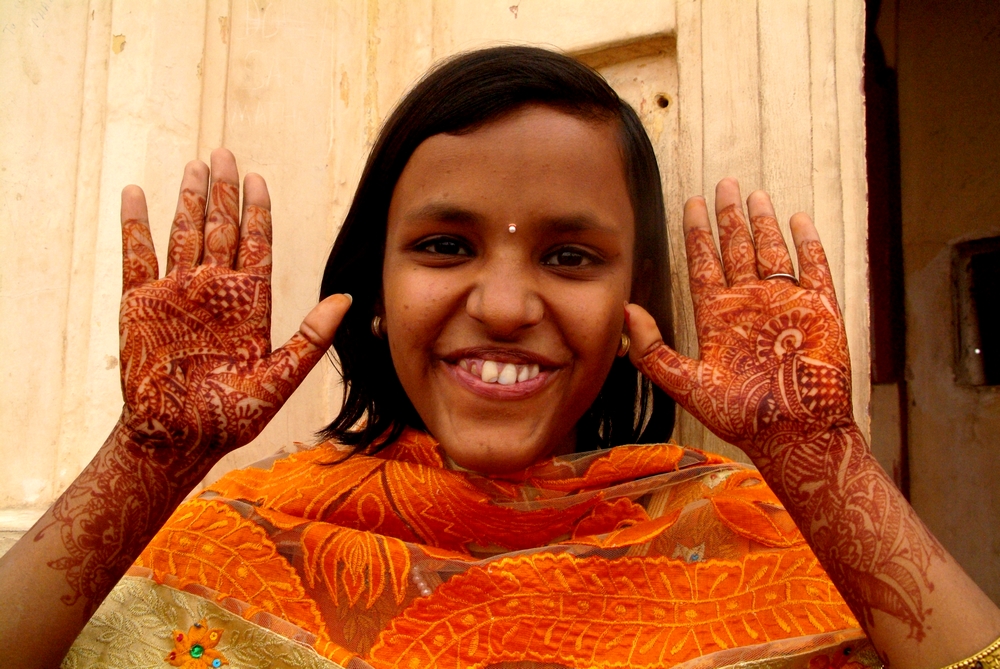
[(494, 454)]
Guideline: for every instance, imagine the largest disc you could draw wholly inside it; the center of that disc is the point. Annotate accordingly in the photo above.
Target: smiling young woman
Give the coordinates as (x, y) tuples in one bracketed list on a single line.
[(477, 95), (460, 291), (494, 491)]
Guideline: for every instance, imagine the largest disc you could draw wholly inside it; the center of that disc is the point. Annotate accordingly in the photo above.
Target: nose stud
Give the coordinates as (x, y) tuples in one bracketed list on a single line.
[(512, 228)]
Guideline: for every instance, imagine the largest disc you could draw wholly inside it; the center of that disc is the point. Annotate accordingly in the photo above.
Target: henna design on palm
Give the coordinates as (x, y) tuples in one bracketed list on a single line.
[(771, 351), (774, 378), (198, 374), (197, 371)]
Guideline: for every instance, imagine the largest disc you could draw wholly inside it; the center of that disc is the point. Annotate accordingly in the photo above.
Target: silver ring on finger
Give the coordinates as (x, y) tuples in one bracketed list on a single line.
[(781, 275)]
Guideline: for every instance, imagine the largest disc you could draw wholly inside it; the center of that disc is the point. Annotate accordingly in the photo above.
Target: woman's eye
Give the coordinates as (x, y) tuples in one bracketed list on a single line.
[(444, 246), (568, 258)]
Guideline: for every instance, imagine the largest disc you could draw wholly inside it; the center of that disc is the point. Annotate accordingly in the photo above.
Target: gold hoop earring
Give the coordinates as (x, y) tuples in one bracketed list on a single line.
[(378, 330), (624, 345)]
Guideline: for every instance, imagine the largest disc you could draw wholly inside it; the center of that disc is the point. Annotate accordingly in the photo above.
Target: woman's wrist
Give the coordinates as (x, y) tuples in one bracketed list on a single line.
[(815, 472), (114, 507), (182, 464), (777, 448)]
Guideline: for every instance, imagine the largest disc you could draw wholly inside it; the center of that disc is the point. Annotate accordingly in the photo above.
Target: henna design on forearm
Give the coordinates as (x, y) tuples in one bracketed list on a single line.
[(107, 517), (774, 379), (867, 538), (198, 378)]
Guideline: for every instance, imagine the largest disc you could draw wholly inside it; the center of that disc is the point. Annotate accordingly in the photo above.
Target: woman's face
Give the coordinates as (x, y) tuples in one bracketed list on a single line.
[(503, 339)]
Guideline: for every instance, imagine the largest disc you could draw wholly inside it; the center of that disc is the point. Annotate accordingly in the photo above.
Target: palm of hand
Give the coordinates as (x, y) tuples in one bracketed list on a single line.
[(198, 374), (191, 345), (774, 356)]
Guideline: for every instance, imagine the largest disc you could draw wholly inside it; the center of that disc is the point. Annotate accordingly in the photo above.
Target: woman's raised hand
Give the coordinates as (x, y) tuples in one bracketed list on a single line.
[(774, 379), (199, 379), (198, 374), (774, 366)]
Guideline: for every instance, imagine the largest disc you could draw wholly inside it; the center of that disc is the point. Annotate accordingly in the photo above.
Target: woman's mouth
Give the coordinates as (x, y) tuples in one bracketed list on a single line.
[(504, 373), (499, 379)]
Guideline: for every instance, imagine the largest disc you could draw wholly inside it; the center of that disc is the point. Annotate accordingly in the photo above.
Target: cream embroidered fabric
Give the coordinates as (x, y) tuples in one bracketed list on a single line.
[(134, 628)]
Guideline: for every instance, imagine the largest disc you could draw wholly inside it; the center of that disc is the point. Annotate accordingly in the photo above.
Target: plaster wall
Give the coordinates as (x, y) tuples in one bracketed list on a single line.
[(948, 63)]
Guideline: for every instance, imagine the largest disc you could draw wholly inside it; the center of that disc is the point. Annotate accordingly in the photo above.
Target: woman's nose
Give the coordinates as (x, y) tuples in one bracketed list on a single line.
[(505, 299)]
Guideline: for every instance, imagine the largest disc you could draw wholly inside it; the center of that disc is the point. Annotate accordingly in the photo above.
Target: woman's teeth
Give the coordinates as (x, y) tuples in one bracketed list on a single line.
[(504, 373)]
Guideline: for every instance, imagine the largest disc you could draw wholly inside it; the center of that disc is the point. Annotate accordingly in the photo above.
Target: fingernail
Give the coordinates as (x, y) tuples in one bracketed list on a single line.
[(349, 297)]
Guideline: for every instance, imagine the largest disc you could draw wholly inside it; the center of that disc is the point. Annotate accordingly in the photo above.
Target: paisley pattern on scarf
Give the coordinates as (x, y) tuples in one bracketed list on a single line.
[(595, 611), (645, 556)]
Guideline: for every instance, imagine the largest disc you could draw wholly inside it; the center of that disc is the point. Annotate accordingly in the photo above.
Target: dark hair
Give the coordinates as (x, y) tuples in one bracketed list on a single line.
[(458, 96)]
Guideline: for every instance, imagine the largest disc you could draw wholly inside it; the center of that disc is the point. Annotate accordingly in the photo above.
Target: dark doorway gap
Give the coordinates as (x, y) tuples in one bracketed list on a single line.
[(885, 230)]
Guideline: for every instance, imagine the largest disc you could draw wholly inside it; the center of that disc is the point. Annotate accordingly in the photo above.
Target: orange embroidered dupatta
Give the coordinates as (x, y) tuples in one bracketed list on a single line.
[(645, 556)]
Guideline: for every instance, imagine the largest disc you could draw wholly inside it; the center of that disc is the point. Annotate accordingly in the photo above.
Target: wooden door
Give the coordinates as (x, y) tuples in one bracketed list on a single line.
[(102, 95), (768, 91)]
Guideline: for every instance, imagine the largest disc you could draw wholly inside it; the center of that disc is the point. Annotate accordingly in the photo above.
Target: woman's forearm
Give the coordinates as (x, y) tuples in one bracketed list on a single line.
[(61, 570), (914, 600)]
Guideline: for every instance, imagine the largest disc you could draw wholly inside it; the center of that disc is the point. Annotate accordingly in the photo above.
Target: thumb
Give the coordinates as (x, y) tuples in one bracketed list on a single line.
[(288, 365), (643, 332), (322, 322), (674, 373)]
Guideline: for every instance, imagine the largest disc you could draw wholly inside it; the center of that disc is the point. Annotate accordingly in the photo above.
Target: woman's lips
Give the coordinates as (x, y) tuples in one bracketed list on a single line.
[(502, 387), (495, 371)]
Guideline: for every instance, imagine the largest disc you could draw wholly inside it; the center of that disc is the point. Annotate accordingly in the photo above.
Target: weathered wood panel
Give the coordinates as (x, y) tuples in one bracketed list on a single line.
[(43, 50), (770, 94), (107, 94)]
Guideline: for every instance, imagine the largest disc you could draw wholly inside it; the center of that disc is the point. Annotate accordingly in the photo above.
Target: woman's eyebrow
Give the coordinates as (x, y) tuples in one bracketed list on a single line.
[(582, 222), (438, 211)]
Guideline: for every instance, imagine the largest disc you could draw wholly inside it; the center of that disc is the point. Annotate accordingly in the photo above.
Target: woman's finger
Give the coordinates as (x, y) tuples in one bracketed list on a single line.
[(139, 264), (704, 267), (735, 242), (772, 252), (673, 372), (814, 271), (286, 367), (222, 227), (254, 255), (188, 228)]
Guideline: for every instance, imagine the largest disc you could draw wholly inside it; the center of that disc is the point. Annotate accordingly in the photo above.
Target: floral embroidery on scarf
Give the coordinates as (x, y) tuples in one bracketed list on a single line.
[(195, 648)]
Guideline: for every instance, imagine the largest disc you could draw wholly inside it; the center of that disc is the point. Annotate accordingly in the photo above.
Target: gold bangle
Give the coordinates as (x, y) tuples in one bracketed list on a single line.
[(987, 658)]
